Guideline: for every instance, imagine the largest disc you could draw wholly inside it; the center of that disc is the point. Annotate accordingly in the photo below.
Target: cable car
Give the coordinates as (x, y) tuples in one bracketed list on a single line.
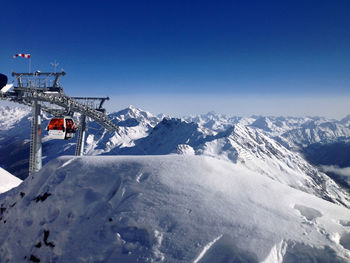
[(62, 128)]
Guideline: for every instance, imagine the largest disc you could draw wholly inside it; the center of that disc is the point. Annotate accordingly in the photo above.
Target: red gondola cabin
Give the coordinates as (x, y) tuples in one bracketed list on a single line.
[(61, 128)]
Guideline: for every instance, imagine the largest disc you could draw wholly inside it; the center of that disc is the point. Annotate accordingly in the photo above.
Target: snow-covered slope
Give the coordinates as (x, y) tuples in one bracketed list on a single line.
[(317, 131), (266, 145), (10, 116), (263, 154), (7, 181), (239, 144), (134, 124), (345, 121), (166, 209)]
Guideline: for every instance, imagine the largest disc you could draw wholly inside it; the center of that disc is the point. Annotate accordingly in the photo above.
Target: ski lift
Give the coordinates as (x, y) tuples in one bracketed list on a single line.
[(62, 128)]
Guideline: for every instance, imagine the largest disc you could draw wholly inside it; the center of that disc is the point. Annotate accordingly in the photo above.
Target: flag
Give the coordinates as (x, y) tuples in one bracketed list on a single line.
[(22, 55)]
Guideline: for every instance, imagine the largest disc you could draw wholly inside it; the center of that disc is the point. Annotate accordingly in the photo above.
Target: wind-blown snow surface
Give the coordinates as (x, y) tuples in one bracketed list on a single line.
[(166, 209), (7, 181)]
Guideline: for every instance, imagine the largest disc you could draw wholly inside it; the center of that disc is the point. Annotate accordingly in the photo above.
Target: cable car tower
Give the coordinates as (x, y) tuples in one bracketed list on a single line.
[(43, 92)]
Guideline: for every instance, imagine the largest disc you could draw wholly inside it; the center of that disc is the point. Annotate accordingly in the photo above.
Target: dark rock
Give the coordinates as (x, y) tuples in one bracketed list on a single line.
[(42, 198), (46, 236), (34, 258), (38, 245)]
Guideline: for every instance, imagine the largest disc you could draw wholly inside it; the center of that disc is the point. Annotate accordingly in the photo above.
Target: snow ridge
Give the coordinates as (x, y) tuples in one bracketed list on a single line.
[(185, 209)]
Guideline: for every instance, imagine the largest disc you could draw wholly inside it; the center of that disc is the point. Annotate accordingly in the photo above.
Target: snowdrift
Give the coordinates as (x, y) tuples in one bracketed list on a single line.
[(166, 209), (7, 181)]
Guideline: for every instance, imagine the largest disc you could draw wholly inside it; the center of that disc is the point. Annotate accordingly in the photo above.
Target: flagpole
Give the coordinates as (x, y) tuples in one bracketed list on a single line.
[(29, 62)]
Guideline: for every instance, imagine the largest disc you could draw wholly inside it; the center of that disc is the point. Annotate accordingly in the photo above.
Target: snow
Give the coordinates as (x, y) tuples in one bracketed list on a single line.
[(226, 187), (7, 181), (345, 121), (173, 208), (277, 253), (206, 248), (266, 145), (9, 116), (134, 124)]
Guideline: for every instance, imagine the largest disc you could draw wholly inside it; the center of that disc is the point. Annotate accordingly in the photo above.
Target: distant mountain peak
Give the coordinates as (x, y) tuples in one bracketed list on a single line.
[(346, 120), (262, 123), (132, 112)]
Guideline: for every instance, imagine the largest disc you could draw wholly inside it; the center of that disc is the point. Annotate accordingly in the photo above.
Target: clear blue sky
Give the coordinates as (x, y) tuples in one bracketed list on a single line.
[(139, 52)]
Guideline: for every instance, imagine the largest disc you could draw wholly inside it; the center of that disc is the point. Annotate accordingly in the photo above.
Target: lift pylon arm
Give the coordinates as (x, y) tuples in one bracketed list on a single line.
[(66, 102), (63, 101)]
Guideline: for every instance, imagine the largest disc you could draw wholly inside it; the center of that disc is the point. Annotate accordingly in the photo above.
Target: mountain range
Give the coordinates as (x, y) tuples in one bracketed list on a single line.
[(204, 188), (280, 148)]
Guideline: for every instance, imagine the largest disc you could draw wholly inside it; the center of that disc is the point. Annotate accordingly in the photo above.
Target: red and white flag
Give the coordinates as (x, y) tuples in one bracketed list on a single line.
[(22, 55)]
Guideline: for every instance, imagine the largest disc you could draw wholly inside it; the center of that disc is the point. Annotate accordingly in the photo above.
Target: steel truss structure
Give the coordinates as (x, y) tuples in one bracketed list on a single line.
[(43, 92)]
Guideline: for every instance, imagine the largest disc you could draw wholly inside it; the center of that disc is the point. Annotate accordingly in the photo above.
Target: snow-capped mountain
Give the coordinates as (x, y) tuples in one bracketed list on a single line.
[(166, 209), (9, 116), (214, 121), (317, 131), (134, 124), (262, 144), (294, 132), (211, 187), (345, 121)]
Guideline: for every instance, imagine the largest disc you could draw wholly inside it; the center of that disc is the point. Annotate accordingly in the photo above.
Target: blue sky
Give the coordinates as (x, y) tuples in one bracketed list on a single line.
[(183, 57)]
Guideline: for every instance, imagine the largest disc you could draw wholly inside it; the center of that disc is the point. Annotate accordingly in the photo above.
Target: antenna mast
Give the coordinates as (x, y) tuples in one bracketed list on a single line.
[(54, 64)]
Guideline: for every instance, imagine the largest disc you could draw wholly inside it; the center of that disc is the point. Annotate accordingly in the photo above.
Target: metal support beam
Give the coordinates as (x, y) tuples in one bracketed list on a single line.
[(100, 99), (35, 158), (79, 150)]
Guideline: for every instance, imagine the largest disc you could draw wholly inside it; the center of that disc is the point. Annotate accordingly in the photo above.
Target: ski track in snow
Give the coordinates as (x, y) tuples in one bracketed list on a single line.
[(205, 249), (138, 177)]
